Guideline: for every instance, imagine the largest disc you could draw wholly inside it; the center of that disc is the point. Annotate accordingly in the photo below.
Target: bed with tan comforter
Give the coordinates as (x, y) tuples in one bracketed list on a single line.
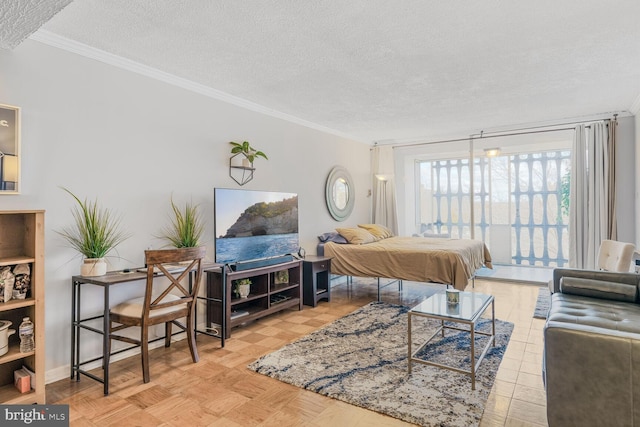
[(421, 259)]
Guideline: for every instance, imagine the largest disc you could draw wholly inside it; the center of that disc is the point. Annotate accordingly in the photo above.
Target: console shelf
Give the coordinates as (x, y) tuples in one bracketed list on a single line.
[(273, 288)]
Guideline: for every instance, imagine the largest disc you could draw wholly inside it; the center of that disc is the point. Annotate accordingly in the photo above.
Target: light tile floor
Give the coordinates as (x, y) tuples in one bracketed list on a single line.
[(517, 273)]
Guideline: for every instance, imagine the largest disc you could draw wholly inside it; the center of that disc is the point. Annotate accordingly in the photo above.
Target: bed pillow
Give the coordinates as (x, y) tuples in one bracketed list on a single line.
[(356, 236), (378, 231), (332, 236)]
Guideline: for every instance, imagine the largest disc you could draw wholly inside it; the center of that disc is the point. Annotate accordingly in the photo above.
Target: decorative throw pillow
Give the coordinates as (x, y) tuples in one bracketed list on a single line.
[(332, 236), (356, 236), (379, 231)]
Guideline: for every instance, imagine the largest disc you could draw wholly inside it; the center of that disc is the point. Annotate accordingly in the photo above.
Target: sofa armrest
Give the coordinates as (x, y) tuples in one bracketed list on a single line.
[(584, 365), (623, 279)]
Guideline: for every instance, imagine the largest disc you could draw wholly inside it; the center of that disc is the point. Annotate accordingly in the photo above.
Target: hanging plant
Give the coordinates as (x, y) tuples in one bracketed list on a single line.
[(249, 152)]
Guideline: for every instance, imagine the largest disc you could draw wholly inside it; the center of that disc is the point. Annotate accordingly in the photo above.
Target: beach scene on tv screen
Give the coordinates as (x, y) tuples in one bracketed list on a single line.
[(255, 224)]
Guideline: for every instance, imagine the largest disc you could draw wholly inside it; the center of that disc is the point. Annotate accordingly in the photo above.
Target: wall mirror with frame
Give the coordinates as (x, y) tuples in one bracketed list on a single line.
[(339, 193), (9, 149)]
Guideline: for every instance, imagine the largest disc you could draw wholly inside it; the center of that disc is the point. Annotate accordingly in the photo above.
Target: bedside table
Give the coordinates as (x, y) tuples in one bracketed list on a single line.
[(316, 279)]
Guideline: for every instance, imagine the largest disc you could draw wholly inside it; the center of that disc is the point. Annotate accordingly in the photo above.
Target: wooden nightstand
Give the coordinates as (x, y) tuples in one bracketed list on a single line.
[(316, 279)]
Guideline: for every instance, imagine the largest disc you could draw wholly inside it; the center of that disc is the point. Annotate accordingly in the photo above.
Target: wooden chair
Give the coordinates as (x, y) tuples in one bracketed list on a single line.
[(168, 303)]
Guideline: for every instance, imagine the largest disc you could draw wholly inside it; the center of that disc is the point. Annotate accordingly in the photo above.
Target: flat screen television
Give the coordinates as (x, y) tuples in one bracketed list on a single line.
[(252, 224)]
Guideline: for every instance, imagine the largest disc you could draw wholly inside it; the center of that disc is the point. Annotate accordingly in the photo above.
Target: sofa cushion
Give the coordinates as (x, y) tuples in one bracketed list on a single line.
[(595, 313), (598, 289)]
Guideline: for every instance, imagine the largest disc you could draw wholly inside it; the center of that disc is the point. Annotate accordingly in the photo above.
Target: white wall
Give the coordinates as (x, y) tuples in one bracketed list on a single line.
[(134, 142)]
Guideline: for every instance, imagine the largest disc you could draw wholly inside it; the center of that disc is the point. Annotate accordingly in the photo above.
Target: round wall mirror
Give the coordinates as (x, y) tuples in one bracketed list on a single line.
[(339, 192)]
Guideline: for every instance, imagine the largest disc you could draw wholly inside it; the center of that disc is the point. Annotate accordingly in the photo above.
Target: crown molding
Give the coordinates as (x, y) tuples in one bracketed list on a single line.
[(54, 40)]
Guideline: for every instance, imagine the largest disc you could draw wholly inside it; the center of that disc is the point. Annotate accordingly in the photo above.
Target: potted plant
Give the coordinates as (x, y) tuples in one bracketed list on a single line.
[(186, 226), (243, 287), (248, 151), (95, 232)]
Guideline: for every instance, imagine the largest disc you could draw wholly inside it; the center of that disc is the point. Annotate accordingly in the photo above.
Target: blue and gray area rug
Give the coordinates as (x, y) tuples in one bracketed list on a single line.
[(361, 359), (542, 303)]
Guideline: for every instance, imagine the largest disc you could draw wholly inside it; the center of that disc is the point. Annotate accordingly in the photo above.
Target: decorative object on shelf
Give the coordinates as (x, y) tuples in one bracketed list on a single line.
[(281, 277), (242, 287), (9, 149), (22, 284), (7, 281), (95, 233), (5, 332), (186, 226), (22, 381), (241, 163), (339, 193)]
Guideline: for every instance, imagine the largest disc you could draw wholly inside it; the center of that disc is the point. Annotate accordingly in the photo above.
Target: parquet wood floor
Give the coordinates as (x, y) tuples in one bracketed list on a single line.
[(221, 391)]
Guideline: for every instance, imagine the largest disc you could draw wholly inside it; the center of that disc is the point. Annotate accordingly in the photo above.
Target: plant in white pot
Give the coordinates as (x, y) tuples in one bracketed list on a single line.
[(186, 226), (96, 232), (243, 287), (247, 151)]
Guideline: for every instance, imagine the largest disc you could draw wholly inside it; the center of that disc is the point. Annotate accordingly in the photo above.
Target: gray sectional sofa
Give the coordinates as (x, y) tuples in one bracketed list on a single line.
[(591, 363)]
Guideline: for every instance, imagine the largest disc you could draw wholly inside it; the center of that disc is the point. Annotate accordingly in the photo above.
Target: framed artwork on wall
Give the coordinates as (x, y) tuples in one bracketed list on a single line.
[(9, 149)]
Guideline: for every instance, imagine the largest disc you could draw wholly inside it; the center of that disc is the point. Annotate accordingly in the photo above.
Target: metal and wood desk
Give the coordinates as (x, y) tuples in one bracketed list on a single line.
[(77, 323)]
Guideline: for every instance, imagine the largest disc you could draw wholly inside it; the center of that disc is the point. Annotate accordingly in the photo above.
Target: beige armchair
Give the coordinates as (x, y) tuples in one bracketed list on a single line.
[(615, 256), (612, 256)]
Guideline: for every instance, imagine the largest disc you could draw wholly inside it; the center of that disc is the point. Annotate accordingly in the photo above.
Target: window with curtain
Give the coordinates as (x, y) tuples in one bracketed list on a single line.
[(519, 198)]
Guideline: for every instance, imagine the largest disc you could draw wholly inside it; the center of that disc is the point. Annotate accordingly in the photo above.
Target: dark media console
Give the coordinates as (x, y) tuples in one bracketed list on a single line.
[(273, 288)]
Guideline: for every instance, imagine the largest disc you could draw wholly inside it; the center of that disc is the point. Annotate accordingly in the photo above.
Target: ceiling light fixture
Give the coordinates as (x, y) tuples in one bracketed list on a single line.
[(491, 152)]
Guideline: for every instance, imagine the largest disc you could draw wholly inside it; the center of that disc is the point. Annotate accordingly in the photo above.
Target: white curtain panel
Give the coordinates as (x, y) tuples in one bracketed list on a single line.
[(577, 197), (590, 218), (384, 188)]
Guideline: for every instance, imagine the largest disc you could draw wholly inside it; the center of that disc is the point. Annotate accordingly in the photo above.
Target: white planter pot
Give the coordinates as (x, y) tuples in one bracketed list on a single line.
[(93, 267), (5, 332), (244, 290)]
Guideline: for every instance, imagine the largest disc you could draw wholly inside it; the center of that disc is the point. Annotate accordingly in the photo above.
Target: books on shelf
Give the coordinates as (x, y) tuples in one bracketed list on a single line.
[(238, 313), (279, 298)]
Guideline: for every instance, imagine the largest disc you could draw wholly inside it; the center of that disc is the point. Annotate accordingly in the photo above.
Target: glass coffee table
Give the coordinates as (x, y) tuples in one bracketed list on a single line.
[(467, 312)]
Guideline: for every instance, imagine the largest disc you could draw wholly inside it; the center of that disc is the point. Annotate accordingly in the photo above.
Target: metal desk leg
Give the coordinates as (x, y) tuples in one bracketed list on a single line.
[(77, 329), (74, 318), (106, 345)]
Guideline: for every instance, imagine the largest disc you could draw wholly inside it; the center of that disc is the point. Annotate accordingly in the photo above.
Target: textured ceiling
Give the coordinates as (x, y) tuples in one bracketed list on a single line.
[(384, 70), (21, 18)]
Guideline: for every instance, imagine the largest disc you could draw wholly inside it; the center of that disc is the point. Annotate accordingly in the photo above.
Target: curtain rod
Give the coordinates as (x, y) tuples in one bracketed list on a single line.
[(514, 132)]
